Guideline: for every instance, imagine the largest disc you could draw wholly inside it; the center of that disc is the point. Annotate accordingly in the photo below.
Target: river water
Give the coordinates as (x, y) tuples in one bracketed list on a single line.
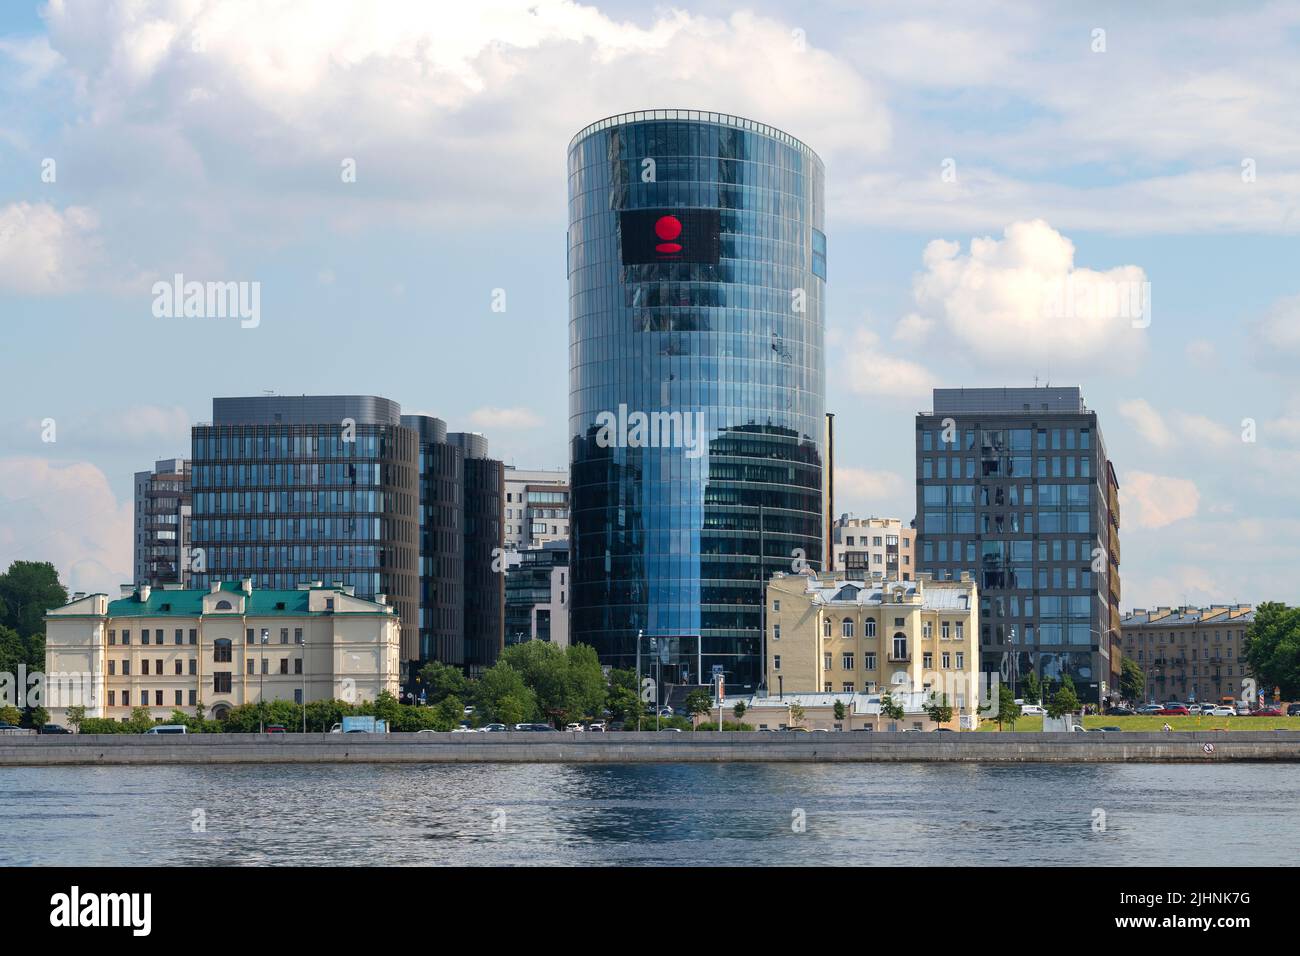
[(652, 814)]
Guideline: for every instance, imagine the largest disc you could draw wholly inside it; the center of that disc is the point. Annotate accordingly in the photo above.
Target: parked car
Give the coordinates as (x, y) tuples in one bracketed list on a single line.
[(275, 729), (1194, 709), (670, 730), (1149, 709), (463, 730), (427, 730), (168, 729), (1033, 710), (1243, 710), (1111, 730), (573, 728), (54, 729), (1172, 710), (534, 728), (598, 727), (616, 725), (1293, 710), (1120, 712), (1266, 712), (492, 728), (1221, 711)]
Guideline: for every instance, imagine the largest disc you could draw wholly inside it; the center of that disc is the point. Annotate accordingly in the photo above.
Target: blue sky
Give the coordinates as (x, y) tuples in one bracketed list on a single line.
[(976, 157)]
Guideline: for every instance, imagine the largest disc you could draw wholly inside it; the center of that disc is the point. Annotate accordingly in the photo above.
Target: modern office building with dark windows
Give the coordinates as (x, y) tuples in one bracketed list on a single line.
[(697, 271), (162, 523), (1013, 485), (345, 490)]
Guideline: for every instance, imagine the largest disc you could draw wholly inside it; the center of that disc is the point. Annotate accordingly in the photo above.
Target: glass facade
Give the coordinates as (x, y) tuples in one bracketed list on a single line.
[(672, 533)]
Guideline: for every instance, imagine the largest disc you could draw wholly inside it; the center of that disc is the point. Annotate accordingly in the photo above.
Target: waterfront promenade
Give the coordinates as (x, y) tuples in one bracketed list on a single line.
[(649, 747)]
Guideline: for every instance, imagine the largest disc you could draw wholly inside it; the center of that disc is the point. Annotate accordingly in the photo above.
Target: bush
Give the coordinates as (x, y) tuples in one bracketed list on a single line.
[(102, 725), (726, 725)]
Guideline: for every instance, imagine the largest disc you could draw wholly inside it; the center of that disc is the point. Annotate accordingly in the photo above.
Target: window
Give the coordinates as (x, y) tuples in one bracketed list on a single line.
[(126, 698), (193, 666), (248, 636), (944, 630), (180, 638), (221, 651), (848, 686), (157, 666), (297, 635), (961, 660), (251, 664), (194, 697), (827, 687), (112, 698), (265, 665), (144, 635), (194, 636), (826, 660), (221, 682), (126, 668), (776, 632), (179, 669), (900, 647), (959, 631), (846, 662), (297, 665), (284, 665), (871, 628), (826, 627), (284, 635), (180, 695), (157, 697), (927, 630), (112, 668), (869, 661), (846, 627), (126, 637), (297, 695), (776, 605), (112, 637), (776, 662), (927, 660), (946, 660)]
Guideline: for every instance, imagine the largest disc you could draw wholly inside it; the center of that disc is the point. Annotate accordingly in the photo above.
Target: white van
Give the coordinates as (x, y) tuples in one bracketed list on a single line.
[(168, 729)]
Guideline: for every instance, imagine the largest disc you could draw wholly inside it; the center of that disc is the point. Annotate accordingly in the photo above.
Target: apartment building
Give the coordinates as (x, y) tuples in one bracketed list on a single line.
[(161, 540), (865, 546), (168, 648), (835, 633), (1192, 654), (536, 508), (537, 595)]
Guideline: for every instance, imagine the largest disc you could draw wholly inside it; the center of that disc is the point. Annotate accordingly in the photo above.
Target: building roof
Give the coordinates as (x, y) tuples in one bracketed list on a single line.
[(935, 595), (189, 602), (1189, 616)]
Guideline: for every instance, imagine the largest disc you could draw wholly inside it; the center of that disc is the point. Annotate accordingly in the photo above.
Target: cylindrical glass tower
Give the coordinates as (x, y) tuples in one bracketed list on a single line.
[(697, 272)]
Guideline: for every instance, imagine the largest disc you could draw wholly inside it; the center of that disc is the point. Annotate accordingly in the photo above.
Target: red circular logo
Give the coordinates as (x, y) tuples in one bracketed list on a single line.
[(668, 227)]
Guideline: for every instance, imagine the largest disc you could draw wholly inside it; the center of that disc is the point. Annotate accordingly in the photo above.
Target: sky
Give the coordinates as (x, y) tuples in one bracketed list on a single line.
[(384, 171)]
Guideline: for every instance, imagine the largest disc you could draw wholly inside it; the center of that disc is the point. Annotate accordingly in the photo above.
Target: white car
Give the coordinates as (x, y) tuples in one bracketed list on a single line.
[(1220, 712), (573, 728), (1033, 710)]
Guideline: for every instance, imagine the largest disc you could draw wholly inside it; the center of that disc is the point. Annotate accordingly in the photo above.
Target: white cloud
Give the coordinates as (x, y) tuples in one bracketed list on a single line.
[(1151, 501), (66, 514), (868, 370), (1148, 422), (1022, 299), (865, 484), (488, 417), (44, 251)]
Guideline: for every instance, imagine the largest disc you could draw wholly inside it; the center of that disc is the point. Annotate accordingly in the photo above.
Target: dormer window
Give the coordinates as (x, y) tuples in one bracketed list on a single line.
[(223, 606)]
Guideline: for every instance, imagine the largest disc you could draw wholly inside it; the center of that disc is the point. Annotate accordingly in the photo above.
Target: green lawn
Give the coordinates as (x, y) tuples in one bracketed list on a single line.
[(1155, 723)]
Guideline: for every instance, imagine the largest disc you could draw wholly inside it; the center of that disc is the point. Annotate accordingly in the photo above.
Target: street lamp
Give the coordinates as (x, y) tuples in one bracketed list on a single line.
[(304, 681), (261, 675)]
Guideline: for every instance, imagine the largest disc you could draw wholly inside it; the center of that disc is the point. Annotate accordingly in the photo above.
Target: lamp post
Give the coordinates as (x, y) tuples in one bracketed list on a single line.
[(1013, 660), (304, 682), (261, 678), (640, 705)]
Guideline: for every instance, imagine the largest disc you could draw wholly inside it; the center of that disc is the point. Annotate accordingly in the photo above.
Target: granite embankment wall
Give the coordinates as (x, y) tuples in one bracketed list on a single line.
[(714, 747)]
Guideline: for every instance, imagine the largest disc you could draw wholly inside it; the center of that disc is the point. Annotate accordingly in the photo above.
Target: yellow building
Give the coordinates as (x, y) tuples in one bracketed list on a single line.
[(914, 640), (168, 648)]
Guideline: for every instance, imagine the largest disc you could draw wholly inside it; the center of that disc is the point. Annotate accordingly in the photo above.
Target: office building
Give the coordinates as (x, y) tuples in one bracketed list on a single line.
[(697, 272), (1192, 654), (346, 490), (866, 546), (162, 523), (834, 633), (1014, 486), (537, 508), (537, 589), (171, 649)]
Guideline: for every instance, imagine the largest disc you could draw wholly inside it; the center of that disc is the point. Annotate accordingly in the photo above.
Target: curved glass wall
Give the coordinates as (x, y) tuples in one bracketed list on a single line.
[(697, 265)]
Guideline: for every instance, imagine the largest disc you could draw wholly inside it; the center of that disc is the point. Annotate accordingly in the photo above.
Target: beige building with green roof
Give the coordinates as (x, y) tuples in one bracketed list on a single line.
[(168, 648)]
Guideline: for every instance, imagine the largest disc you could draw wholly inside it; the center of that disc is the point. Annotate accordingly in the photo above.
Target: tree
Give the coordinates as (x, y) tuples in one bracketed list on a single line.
[(502, 695), (839, 709), (10, 714), (1064, 701), (440, 680), (891, 708), (27, 590), (698, 703), (939, 711), (37, 717), (1132, 681), (449, 713), (739, 710), (1033, 688), (75, 715), (140, 720), (1273, 648), (1008, 709), (796, 713)]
